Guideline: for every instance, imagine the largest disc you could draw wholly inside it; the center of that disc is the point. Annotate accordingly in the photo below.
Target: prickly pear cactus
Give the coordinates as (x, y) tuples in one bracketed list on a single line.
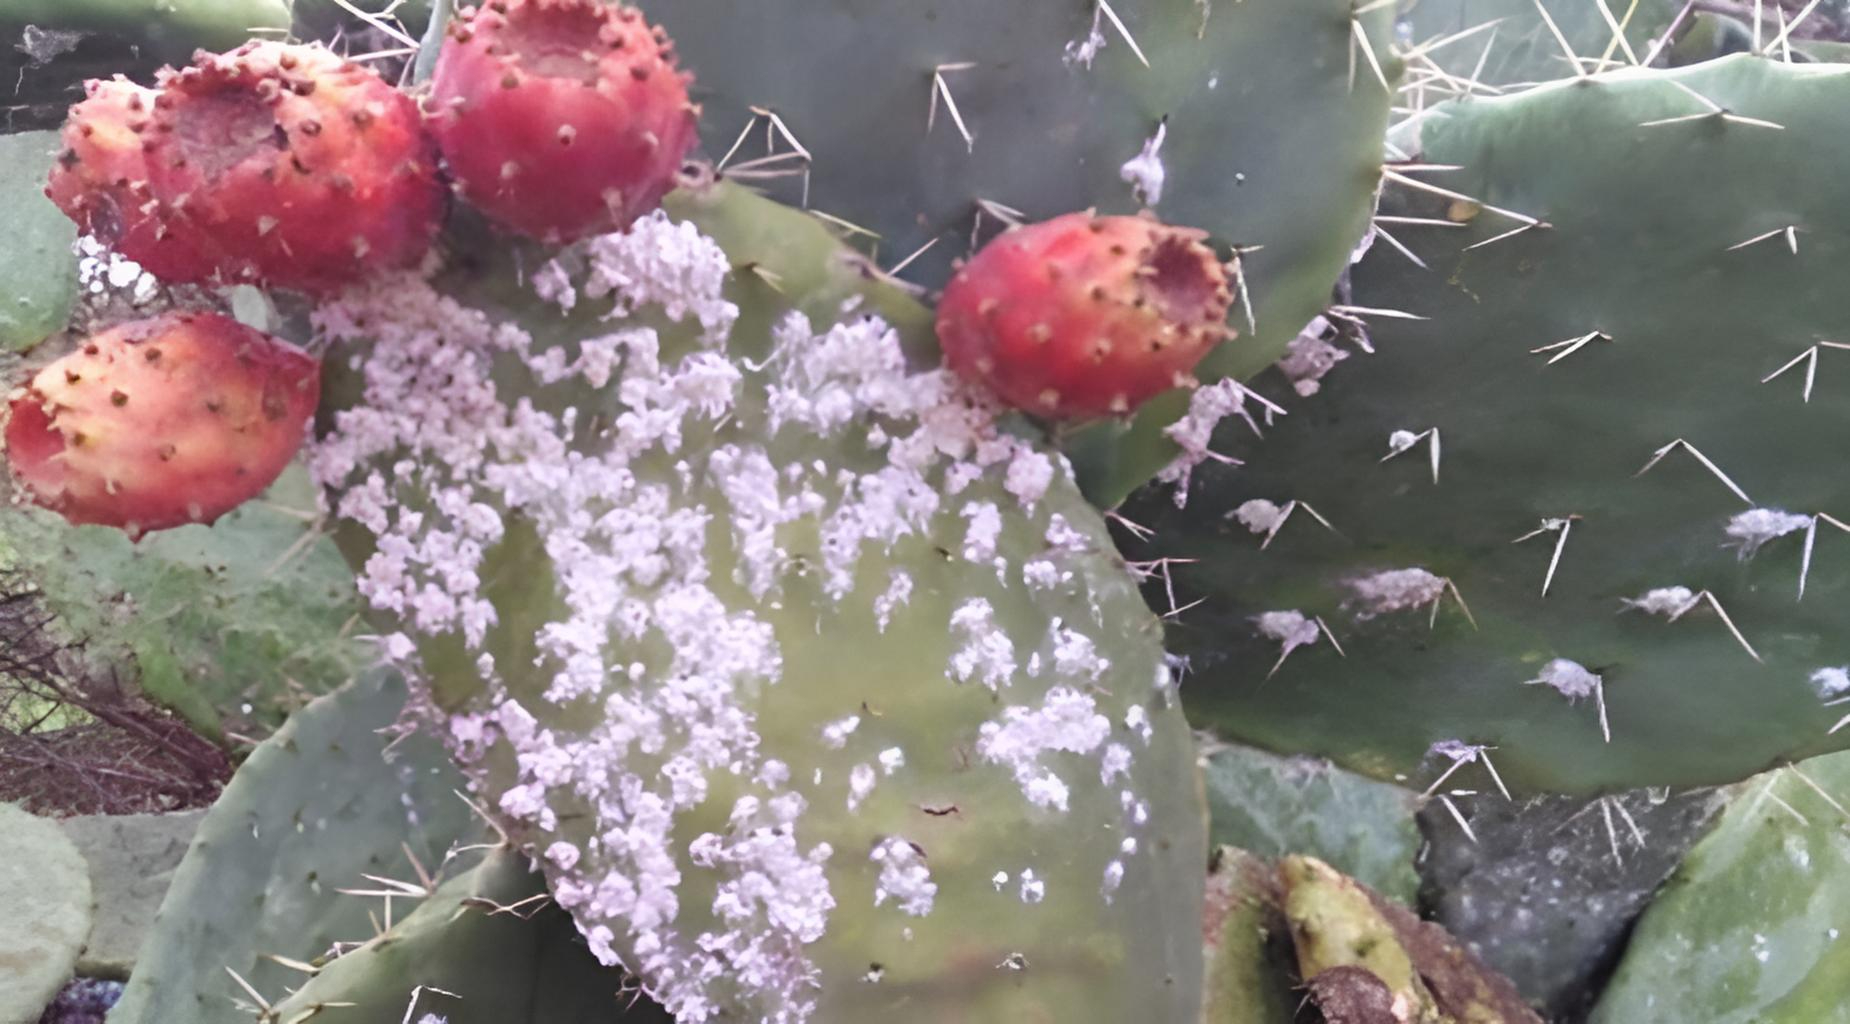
[(1271, 806), (1751, 926), (783, 657), (231, 626), (1258, 121), (1578, 528), (317, 808), (41, 275), (485, 947), (1500, 44)]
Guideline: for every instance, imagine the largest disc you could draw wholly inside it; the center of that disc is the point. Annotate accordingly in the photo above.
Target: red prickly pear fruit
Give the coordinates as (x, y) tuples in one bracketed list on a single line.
[(158, 423), (298, 167), (100, 181), (561, 118), (1083, 316), (273, 164)]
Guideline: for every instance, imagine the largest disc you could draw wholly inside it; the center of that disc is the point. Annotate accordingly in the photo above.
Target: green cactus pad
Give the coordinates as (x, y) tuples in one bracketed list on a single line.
[(1556, 364), (315, 808), (1270, 806), (1273, 137), (486, 947), (1750, 929), (785, 661), (1519, 47), (240, 621), (37, 264)]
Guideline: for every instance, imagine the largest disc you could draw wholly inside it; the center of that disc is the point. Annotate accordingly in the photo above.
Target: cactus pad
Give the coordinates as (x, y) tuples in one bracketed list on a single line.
[(231, 625), (40, 271), (1595, 491), (784, 660), (314, 809), (1750, 928), (486, 947)]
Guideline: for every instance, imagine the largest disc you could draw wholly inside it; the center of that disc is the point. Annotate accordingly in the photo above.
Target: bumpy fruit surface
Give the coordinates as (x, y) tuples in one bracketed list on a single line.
[(561, 118), (276, 164), (162, 422), (101, 181), (1084, 316)]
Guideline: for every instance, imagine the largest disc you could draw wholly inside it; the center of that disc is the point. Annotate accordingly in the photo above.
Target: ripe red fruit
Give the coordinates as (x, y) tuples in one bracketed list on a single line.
[(101, 181), (162, 422), (561, 118), (273, 164), (1084, 316)]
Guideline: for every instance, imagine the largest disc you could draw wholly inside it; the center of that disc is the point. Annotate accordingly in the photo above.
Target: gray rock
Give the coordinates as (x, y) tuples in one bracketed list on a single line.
[(131, 858), (45, 906), (1552, 886)]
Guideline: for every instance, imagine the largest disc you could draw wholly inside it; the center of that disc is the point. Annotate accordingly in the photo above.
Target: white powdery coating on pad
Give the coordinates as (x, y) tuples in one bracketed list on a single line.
[(904, 878), (628, 560), (1289, 628), (1067, 721), (1395, 591), (986, 654), (984, 530), (652, 524), (1456, 750), (898, 592), (1831, 681), (1751, 529), (1310, 357), (1569, 678), (1192, 433), (1669, 602), (1144, 173), (1258, 515), (835, 734)]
